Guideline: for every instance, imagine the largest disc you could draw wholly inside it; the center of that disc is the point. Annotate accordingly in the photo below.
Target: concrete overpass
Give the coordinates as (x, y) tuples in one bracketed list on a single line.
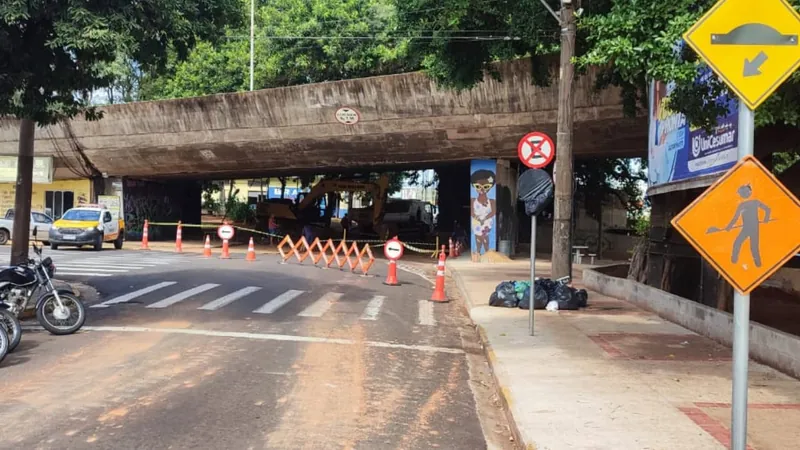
[(406, 120)]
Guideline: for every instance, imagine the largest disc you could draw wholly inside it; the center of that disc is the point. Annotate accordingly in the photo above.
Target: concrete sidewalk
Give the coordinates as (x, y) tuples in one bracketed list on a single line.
[(613, 376)]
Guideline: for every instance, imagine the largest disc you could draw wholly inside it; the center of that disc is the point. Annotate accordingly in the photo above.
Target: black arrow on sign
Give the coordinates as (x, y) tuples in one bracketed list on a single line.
[(753, 68)]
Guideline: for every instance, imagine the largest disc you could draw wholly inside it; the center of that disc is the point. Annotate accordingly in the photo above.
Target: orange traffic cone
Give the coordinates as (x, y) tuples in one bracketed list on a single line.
[(145, 245), (179, 238), (391, 277), (226, 251), (207, 247), (438, 292), (251, 251), (451, 251)]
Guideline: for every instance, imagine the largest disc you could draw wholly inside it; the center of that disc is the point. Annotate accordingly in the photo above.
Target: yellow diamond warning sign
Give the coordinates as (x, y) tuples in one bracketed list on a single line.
[(745, 224), (753, 47)]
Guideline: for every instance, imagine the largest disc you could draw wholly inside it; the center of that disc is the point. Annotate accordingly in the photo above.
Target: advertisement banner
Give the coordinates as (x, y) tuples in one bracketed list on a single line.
[(677, 151), (483, 206), (42, 169)]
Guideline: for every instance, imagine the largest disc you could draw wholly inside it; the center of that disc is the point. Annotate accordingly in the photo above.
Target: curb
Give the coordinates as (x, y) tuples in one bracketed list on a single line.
[(504, 393)]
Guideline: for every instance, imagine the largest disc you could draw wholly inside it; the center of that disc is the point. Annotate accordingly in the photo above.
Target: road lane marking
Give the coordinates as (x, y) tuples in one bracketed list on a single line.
[(96, 269), (228, 299), (271, 337), (321, 306), (277, 302), (180, 296), (426, 313), (132, 295), (91, 265), (84, 274), (373, 308)]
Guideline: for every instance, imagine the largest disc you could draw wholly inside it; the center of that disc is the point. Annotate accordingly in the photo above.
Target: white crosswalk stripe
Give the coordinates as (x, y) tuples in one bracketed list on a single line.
[(313, 307), (169, 301), (373, 308), (230, 298), (321, 306), (278, 302), (135, 294), (426, 316)]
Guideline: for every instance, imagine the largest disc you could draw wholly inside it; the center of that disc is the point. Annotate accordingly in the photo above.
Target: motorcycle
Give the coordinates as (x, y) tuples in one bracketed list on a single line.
[(57, 310), (3, 343)]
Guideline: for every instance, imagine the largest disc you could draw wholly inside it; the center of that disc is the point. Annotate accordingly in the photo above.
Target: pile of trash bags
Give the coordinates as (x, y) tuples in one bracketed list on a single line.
[(548, 294)]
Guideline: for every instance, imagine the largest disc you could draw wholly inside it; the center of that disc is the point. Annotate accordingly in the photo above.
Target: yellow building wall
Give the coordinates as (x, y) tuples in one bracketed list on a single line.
[(81, 188)]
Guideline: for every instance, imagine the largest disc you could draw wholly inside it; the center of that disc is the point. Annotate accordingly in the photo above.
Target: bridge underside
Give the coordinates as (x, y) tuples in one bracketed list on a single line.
[(406, 121)]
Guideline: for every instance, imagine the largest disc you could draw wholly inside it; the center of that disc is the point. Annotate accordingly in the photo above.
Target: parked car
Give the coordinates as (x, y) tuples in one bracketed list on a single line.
[(87, 225), (40, 220)]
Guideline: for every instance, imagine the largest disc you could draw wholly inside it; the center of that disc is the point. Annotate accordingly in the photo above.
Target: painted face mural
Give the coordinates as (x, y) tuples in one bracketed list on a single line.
[(483, 207)]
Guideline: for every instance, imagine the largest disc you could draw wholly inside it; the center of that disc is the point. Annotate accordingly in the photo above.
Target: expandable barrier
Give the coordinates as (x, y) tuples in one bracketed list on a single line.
[(328, 253)]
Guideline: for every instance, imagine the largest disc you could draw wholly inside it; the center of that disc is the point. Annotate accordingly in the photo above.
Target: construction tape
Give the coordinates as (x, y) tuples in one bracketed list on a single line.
[(185, 225)]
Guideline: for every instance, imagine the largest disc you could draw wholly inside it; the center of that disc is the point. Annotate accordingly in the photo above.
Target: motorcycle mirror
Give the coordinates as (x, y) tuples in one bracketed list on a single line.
[(35, 231)]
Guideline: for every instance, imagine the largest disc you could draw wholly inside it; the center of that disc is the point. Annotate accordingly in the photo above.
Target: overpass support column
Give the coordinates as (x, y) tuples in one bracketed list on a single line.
[(492, 206), (507, 220)]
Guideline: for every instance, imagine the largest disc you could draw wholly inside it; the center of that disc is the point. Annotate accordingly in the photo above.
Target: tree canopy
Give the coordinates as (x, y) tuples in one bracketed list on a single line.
[(296, 42), (52, 54)]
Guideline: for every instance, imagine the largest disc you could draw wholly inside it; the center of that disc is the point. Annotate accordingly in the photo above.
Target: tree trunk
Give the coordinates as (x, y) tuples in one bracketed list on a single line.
[(22, 199), (562, 217)]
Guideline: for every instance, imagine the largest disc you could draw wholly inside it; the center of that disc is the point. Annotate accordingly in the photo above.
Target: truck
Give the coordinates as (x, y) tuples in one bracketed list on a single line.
[(39, 220), (87, 225)]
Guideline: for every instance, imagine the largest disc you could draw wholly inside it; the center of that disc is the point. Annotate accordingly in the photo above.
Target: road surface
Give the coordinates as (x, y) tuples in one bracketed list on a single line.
[(183, 352)]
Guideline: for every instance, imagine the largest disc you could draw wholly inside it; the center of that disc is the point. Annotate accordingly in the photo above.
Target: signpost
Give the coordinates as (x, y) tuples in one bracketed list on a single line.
[(535, 150), (347, 116), (225, 232), (393, 250), (754, 50)]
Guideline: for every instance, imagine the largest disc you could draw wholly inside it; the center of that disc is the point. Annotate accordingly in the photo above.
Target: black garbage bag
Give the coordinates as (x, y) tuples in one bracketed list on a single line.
[(563, 295), (506, 294), (582, 298), (540, 298), (548, 286), (494, 300)]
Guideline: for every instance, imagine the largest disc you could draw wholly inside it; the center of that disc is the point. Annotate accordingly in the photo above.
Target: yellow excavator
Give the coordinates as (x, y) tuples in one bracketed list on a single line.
[(289, 213)]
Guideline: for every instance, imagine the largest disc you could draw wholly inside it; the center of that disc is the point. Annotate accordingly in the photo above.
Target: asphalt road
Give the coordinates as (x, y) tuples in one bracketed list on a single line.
[(213, 354)]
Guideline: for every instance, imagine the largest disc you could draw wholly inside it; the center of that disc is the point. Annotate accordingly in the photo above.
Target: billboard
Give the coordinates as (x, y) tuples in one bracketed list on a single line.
[(483, 206), (42, 169), (678, 151)]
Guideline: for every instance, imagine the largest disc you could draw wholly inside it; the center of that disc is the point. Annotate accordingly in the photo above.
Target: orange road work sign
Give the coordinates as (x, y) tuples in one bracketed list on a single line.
[(745, 225)]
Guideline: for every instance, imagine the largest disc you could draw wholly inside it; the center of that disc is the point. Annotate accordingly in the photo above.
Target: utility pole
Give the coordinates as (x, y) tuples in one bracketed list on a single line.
[(562, 221), (252, 39)]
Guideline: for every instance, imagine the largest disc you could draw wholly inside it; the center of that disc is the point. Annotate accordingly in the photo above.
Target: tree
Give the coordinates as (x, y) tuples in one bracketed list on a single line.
[(52, 54), (297, 42)]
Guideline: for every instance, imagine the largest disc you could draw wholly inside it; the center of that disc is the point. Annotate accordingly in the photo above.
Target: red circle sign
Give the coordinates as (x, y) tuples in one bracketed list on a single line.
[(536, 150), (393, 249), (225, 232)]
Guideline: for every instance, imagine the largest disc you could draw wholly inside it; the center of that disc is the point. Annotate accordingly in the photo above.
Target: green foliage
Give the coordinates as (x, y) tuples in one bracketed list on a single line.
[(642, 225), (290, 49), (601, 179), (237, 210), (49, 51), (209, 197), (783, 161)]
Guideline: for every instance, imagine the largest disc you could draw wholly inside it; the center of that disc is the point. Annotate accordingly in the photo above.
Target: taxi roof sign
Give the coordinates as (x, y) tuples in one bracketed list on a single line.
[(753, 48), (745, 224)]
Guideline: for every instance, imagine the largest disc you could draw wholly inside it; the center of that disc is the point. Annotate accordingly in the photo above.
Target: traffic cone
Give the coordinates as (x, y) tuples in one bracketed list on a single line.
[(179, 238), (145, 245), (391, 277), (438, 292), (450, 249), (251, 251), (207, 247), (226, 251)]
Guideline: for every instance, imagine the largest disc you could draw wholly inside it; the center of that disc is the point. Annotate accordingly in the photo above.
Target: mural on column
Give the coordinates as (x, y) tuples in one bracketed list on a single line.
[(483, 206)]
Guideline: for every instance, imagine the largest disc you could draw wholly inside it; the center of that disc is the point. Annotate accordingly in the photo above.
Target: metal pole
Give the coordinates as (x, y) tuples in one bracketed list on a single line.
[(533, 274), (741, 313), (252, 39)]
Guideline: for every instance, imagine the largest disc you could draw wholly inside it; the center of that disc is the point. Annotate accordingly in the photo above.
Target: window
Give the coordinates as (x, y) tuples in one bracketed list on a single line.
[(82, 215), (107, 217), (397, 207), (41, 218), (57, 202)]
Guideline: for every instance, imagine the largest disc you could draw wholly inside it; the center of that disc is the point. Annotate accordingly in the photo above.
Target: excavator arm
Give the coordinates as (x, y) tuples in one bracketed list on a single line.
[(378, 189)]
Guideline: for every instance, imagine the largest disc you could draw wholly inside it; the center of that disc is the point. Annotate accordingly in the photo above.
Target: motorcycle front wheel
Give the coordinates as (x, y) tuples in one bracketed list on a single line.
[(3, 343), (61, 321), (12, 327)]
